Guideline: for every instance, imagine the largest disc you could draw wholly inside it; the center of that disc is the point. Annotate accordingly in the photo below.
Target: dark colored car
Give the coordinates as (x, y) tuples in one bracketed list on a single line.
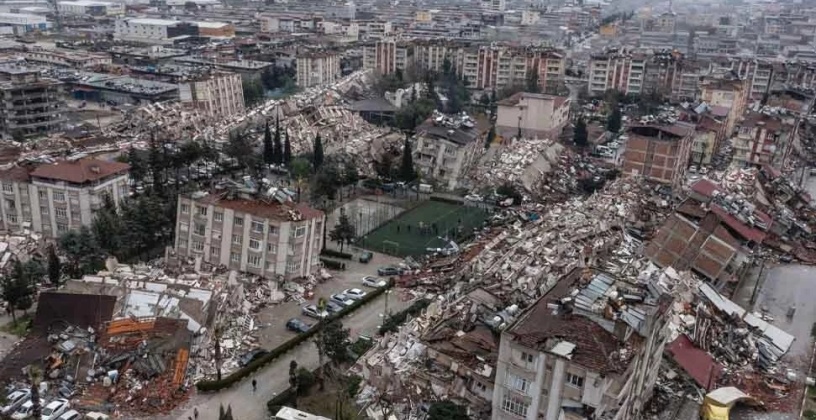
[(389, 271), (366, 256), (251, 356), (297, 325), (333, 307)]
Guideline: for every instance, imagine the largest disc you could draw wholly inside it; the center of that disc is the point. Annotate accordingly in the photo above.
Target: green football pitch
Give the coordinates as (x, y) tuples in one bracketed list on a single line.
[(413, 232)]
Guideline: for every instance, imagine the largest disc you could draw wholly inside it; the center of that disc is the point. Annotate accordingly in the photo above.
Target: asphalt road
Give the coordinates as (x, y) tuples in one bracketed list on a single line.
[(273, 379)]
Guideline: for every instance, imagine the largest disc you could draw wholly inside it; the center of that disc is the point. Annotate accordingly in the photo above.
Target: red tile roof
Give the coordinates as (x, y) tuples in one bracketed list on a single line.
[(80, 171), (705, 188), (747, 232), (15, 173), (697, 363), (268, 210)]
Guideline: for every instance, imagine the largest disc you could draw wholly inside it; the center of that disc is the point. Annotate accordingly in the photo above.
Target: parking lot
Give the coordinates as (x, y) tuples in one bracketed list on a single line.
[(272, 320)]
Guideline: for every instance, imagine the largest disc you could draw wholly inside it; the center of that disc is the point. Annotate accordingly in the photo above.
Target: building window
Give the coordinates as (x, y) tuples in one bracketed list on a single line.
[(8, 187), (257, 227), (527, 357), (185, 209), (215, 251), (254, 260), (62, 228), (61, 212), (182, 243), (272, 248), (198, 246), (218, 216), (59, 196), (270, 266), (480, 386), (255, 244), (199, 229), (575, 380), (42, 193), (300, 231), (235, 257), (202, 211), (292, 266), (236, 239), (12, 218), (44, 210), (238, 221), (515, 405), (273, 230), (517, 383)]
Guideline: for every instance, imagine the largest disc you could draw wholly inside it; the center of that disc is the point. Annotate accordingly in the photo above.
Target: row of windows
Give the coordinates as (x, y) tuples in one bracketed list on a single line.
[(253, 260), (256, 227)]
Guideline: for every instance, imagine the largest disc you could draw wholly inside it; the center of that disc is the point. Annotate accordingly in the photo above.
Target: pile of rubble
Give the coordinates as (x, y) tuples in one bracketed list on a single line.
[(19, 246)]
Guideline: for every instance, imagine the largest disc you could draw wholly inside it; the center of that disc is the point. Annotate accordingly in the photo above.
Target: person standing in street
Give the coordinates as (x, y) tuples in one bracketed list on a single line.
[(254, 385), (195, 413)]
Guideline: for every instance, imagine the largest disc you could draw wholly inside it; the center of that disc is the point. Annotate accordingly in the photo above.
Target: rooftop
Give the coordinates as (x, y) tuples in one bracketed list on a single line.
[(151, 21), (515, 99), (271, 209), (662, 131), (573, 320), (80, 171)]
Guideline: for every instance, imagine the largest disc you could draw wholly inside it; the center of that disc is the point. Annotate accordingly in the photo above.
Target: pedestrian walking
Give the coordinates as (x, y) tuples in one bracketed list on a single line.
[(254, 385), (195, 413)]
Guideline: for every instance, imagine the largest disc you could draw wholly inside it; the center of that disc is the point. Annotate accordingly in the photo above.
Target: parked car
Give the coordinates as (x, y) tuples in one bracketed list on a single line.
[(341, 299), (55, 408), (251, 356), (474, 197), (24, 411), (354, 294), (366, 256), (371, 281), (71, 415), (333, 307), (297, 325), (389, 270), (313, 312), (14, 400), (786, 258)]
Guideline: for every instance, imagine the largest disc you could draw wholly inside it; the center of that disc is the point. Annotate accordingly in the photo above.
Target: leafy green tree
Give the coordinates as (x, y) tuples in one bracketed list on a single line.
[(350, 173), (447, 410), (293, 380), (268, 148), (54, 266), (580, 135), (107, 227), (147, 224), (287, 150), (343, 232), (385, 166), (82, 251), (225, 415), (240, 148), (17, 289), (306, 380), (277, 146), (317, 153), (253, 92), (326, 181), (491, 135), (157, 162), (407, 171), (138, 171), (614, 121), (335, 342)]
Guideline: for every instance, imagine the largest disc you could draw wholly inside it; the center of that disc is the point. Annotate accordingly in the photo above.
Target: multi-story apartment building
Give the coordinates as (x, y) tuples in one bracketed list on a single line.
[(166, 31), (317, 69), (218, 94), (494, 5), (31, 105), (258, 235), (586, 349), (376, 30), (22, 23), (762, 139), (727, 92), (614, 70), (659, 153), (90, 8), (68, 58), (385, 57), (444, 153), (536, 115), (54, 198)]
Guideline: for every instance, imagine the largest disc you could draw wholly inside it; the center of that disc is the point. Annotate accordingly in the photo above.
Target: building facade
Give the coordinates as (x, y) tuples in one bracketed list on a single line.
[(568, 357), (219, 94), (317, 69), (659, 153), (615, 70), (250, 234), (31, 105), (54, 198), (534, 114), (91, 8), (763, 139), (385, 57), (444, 153)]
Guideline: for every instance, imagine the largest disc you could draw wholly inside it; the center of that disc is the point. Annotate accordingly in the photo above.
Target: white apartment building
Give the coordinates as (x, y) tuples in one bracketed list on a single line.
[(266, 238), (52, 199), (537, 115), (616, 71), (444, 154), (90, 8), (385, 57), (377, 30), (530, 17), (23, 23), (494, 5), (219, 94), (581, 352), (317, 69), (148, 30)]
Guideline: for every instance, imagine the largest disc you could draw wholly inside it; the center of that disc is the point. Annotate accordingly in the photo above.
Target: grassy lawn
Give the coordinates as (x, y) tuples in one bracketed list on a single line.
[(412, 232), (19, 328)]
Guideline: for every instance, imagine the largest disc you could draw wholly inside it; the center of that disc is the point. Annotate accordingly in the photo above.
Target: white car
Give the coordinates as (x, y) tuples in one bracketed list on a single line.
[(371, 281), (55, 408), (354, 294), (474, 198), (70, 415), (24, 411), (15, 400)]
